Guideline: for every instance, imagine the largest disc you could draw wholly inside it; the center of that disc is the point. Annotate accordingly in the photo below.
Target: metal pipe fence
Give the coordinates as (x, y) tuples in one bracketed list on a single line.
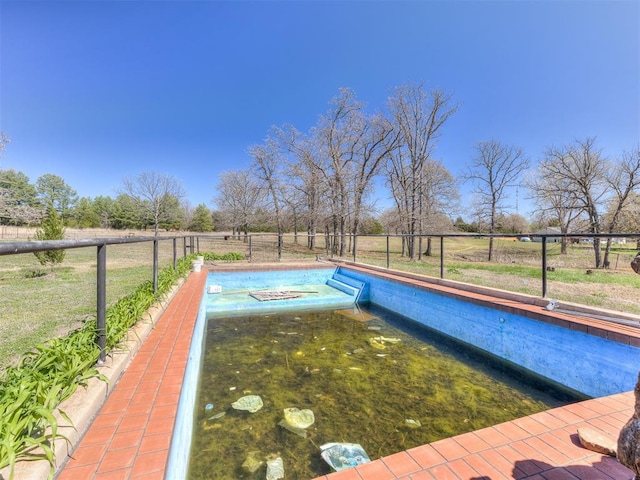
[(387, 249), (380, 250), (15, 248)]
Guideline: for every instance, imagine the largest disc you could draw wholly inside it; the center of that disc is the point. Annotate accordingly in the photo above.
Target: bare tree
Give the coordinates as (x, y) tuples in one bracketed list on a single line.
[(622, 179), (305, 179), (4, 141), (419, 117), (440, 197), (493, 171), (578, 172), (339, 134), (268, 163), (554, 197), (513, 223), (629, 218), (155, 194), (240, 198), (379, 140)]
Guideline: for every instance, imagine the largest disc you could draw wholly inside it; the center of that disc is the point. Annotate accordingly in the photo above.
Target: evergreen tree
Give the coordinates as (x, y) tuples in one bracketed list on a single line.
[(53, 189), (52, 228), (202, 219)]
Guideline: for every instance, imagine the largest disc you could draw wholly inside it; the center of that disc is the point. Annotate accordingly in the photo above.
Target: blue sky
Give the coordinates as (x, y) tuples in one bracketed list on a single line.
[(94, 91)]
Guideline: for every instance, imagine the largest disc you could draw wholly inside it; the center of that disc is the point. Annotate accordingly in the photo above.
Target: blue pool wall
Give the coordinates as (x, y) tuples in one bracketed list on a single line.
[(586, 363), (225, 303), (258, 280)]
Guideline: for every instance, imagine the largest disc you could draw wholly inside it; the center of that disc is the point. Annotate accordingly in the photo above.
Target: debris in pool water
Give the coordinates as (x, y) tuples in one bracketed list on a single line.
[(392, 341), (411, 423), (217, 416), (232, 388), (275, 469), (299, 418), (297, 421), (381, 355), (298, 431), (249, 403), (208, 407), (343, 455), (381, 342), (253, 462), (373, 327)]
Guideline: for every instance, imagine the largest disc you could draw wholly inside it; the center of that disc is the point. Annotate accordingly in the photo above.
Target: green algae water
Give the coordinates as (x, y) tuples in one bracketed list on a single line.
[(368, 376)]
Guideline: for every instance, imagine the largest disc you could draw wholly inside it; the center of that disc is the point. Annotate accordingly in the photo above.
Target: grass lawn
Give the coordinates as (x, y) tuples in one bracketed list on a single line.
[(38, 303)]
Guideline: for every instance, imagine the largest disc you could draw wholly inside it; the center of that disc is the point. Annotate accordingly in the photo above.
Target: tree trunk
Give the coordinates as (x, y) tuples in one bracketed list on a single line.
[(607, 250), (597, 252), (428, 251)]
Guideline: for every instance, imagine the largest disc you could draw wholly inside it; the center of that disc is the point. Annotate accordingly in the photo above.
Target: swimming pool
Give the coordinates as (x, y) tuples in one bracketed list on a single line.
[(366, 375), (594, 366)]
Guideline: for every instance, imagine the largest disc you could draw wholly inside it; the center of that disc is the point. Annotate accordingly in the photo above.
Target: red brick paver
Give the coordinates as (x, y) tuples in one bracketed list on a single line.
[(130, 438)]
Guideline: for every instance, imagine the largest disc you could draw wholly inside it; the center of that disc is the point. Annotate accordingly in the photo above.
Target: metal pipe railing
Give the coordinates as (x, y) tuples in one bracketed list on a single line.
[(191, 243), (14, 248), (543, 240)]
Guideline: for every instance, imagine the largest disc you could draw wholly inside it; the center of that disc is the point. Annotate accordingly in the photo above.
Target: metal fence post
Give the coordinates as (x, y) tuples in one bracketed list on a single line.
[(175, 253), (184, 246), (101, 301), (155, 266), (544, 266), (388, 252), (250, 247), (441, 257), (279, 246)]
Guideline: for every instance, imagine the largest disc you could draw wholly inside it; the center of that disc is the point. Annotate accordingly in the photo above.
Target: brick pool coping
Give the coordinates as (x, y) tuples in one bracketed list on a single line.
[(131, 434)]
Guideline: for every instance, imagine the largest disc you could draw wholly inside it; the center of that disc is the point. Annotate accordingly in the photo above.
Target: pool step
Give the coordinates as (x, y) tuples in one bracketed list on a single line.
[(346, 284)]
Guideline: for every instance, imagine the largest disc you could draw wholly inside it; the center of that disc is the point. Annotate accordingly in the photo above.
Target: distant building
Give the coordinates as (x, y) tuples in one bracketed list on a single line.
[(589, 240), (554, 232)]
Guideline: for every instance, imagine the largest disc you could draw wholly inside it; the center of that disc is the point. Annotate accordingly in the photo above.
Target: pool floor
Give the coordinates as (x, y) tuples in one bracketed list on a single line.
[(130, 436)]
